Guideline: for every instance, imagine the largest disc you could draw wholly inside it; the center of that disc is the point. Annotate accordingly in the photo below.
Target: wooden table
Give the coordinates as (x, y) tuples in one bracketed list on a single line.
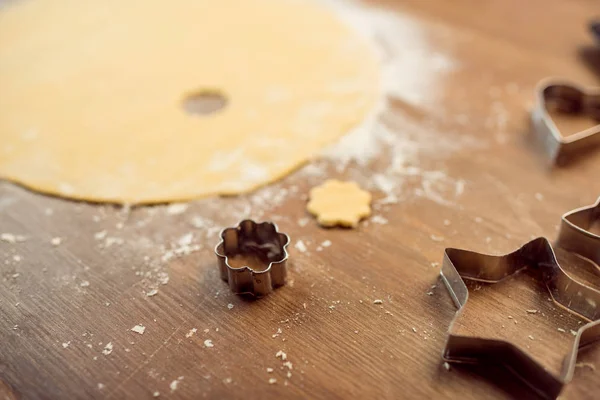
[(67, 308)]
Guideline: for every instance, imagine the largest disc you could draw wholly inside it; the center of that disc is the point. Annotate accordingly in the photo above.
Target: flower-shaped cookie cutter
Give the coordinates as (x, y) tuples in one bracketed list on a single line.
[(261, 242), (337, 203), (460, 265), (566, 98)]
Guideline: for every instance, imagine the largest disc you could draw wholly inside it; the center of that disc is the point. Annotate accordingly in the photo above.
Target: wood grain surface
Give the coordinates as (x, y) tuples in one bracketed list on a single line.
[(85, 274)]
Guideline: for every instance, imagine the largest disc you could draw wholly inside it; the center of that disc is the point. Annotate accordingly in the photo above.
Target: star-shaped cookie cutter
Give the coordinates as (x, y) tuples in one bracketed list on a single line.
[(261, 241), (459, 265), (567, 98)]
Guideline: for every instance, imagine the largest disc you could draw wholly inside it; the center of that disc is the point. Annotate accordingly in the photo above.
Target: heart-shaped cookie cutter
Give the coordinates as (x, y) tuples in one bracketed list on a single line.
[(459, 265), (568, 98), (262, 241)]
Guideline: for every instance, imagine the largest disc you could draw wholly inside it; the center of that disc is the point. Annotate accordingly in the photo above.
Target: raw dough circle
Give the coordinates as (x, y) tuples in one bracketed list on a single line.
[(92, 94)]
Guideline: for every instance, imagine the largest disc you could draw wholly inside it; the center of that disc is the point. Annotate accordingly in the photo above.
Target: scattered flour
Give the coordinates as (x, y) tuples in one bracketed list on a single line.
[(191, 333), (174, 384), (100, 235), (107, 349), (182, 247), (411, 70), (378, 219), (300, 246), (12, 239), (139, 329), (177, 208)]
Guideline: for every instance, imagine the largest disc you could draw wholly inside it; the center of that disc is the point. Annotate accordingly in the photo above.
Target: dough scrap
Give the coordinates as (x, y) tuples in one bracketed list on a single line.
[(92, 93), (337, 203)]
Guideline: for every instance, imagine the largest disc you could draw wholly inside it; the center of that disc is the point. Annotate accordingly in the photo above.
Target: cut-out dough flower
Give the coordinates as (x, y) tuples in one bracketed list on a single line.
[(337, 203)]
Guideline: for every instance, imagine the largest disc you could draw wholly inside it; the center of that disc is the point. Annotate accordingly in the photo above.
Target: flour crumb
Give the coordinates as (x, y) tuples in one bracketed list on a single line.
[(531, 311), (326, 243), (108, 349), (272, 381), (447, 366), (230, 306), (156, 394), (574, 333), (447, 222), (531, 337), (303, 221), (151, 293), (101, 386), (100, 235), (109, 241), (378, 301), (177, 208), (175, 383), (288, 364), (227, 381), (378, 219), (281, 354), (414, 329), (300, 246), (66, 344), (17, 258), (269, 370), (436, 238), (208, 343), (12, 239), (56, 241), (84, 284), (191, 333), (163, 278), (139, 329), (561, 330)]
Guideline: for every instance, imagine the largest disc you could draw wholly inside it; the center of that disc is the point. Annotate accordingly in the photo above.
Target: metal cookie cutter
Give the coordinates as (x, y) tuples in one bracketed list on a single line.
[(595, 28), (568, 98), (539, 255), (257, 242), (575, 235)]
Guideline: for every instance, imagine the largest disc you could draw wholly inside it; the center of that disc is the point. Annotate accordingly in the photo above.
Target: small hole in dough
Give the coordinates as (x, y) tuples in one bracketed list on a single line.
[(204, 102)]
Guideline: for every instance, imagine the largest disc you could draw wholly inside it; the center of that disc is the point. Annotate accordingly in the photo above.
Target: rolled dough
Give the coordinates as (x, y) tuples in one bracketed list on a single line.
[(92, 92)]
